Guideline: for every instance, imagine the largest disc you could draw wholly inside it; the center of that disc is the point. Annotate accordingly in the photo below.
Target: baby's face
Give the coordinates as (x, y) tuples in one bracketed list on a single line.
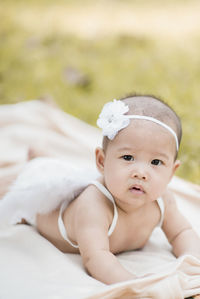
[(139, 163)]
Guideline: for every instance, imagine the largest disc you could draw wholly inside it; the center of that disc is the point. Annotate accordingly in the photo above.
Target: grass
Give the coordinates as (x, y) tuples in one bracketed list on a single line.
[(35, 64)]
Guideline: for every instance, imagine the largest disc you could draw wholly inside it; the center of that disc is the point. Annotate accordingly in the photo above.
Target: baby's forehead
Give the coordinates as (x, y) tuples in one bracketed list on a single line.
[(145, 136)]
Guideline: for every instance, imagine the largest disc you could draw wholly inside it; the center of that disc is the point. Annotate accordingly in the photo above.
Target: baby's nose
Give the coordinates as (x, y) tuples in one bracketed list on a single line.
[(140, 176), (139, 173)]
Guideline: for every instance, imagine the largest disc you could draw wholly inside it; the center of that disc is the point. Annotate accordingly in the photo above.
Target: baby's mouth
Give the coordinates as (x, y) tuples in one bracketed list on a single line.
[(137, 189)]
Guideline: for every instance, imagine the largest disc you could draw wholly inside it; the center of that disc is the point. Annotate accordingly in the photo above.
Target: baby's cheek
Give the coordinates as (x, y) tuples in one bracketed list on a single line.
[(113, 183), (160, 188)]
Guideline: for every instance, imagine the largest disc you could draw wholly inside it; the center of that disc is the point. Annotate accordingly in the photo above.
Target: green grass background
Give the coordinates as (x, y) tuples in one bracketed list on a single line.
[(33, 65)]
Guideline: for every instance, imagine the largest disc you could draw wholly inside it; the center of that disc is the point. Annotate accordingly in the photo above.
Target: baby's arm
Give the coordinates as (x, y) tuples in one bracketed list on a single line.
[(91, 230), (181, 235)]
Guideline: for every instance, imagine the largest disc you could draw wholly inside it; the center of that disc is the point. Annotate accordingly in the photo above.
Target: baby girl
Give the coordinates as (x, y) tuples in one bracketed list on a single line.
[(120, 209)]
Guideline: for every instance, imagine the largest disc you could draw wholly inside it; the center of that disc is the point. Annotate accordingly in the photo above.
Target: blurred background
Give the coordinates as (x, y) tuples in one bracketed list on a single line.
[(82, 54)]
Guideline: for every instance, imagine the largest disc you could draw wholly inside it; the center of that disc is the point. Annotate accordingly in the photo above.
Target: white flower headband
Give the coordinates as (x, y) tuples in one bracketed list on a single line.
[(112, 119)]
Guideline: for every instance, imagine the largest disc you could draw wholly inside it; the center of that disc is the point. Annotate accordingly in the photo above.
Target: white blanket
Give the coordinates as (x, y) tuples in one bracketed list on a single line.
[(31, 267)]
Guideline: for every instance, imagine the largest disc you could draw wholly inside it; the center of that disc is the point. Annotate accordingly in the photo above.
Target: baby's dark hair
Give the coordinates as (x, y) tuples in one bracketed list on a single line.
[(150, 105)]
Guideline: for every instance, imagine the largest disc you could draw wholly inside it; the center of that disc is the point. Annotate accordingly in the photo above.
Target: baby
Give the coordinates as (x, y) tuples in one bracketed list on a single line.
[(119, 211)]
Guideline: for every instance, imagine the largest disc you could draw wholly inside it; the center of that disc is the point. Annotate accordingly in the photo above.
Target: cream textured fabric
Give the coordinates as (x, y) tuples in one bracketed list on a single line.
[(31, 267)]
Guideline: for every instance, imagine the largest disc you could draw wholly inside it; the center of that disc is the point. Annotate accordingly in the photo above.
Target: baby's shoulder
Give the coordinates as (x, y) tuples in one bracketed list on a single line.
[(92, 198), (170, 205), (168, 198), (92, 206)]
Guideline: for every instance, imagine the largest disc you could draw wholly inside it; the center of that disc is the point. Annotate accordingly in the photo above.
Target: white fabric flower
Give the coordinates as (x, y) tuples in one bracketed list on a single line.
[(112, 119)]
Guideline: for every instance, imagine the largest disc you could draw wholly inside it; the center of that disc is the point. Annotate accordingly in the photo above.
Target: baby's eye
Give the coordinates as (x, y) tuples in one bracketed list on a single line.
[(156, 162), (128, 158)]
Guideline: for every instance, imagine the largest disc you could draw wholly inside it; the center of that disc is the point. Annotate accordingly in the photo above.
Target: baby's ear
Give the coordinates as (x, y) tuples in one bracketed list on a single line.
[(100, 157), (177, 163)]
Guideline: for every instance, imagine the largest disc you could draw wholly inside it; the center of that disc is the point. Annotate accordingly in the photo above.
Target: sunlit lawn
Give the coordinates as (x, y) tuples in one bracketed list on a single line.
[(34, 65)]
